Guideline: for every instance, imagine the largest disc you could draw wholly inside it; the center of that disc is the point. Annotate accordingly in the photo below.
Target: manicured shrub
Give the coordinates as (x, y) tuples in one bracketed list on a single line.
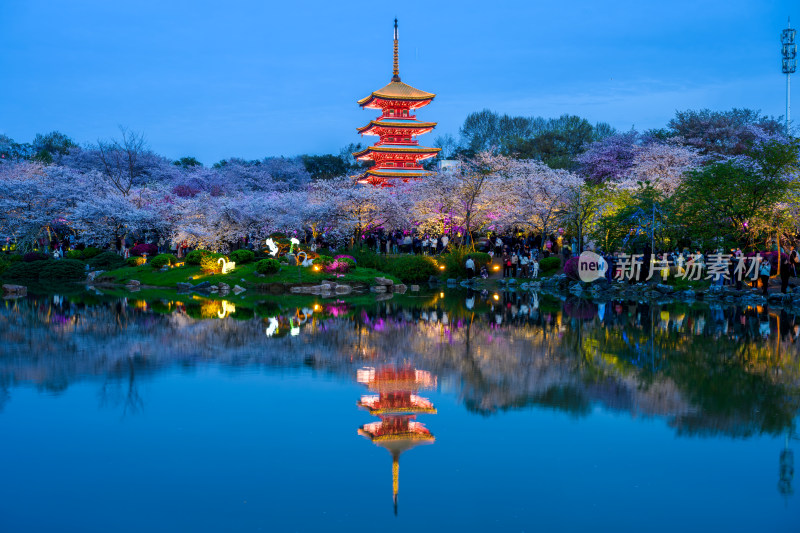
[(347, 260), (145, 248), (242, 257), (35, 256), (268, 266), (136, 261), (339, 266), (210, 264), (63, 270), (162, 260), (24, 272), (455, 261), (549, 265), (106, 261), (367, 258), (74, 254), (88, 253), (480, 258), (194, 257), (14, 258), (5, 262), (413, 268), (323, 260)]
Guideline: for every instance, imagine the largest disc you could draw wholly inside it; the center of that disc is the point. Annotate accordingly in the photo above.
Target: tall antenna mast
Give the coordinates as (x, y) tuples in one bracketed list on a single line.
[(788, 66)]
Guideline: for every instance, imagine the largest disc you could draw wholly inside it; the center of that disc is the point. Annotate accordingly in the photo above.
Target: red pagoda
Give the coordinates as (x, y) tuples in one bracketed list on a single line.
[(397, 154), (397, 406)]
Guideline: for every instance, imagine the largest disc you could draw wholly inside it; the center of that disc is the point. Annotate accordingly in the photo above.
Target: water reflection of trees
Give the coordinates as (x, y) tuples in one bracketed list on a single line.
[(707, 370)]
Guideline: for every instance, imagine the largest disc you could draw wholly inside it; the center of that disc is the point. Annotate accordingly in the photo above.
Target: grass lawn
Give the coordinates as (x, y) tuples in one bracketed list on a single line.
[(244, 275)]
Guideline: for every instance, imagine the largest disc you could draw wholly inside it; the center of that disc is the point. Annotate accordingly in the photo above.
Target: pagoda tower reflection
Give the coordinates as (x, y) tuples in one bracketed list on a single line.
[(396, 403)]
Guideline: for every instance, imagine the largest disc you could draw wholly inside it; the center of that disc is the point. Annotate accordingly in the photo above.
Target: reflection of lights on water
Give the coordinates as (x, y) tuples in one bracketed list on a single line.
[(272, 329), (227, 309)]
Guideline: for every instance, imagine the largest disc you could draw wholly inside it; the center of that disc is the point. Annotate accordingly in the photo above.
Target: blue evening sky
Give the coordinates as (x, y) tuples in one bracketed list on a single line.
[(254, 78)]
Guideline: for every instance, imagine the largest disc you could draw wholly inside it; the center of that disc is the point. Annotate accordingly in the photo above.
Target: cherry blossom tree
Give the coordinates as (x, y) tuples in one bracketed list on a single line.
[(540, 195)]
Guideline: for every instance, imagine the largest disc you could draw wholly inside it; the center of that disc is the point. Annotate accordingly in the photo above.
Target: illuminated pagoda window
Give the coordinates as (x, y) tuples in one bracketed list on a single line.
[(397, 154), (397, 405)]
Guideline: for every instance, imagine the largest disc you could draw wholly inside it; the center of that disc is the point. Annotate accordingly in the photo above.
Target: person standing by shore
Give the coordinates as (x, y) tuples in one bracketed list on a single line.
[(763, 273), (506, 264), (470, 264)]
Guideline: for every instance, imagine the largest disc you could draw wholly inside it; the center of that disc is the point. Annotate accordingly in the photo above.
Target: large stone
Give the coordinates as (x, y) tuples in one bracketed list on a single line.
[(399, 288), (381, 297), (224, 287), (378, 288), (415, 288), (15, 290), (384, 281), (343, 289), (237, 289), (91, 276), (133, 283), (202, 285), (665, 289)]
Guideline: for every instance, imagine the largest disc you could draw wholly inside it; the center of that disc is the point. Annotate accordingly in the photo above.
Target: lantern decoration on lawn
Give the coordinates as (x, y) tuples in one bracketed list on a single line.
[(397, 154), (227, 266)]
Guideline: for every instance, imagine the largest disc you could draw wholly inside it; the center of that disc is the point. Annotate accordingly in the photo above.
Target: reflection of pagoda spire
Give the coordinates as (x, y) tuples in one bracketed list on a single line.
[(786, 469), (397, 406)]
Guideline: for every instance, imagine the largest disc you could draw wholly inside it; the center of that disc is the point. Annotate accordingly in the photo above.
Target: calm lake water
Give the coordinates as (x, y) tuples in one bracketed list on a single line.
[(443, 412)]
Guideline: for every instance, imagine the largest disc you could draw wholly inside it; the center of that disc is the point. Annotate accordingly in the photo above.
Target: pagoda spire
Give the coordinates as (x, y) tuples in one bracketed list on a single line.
[(396, 65)]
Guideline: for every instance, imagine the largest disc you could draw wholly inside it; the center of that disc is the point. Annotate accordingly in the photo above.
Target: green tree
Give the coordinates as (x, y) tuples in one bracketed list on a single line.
[(54, 143), (744, 199), (187, 162), (582, 209)]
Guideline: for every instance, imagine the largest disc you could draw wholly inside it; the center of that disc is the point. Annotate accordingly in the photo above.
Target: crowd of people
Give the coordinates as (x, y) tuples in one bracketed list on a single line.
[(733, 268)]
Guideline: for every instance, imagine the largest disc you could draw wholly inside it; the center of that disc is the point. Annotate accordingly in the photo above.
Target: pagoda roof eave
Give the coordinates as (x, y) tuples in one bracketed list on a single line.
[(397, 90), (382, 175), (389, 149), (411, 125)]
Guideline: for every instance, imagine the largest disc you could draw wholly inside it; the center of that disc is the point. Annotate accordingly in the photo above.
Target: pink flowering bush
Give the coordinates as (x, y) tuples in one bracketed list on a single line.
[(339, 266)]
